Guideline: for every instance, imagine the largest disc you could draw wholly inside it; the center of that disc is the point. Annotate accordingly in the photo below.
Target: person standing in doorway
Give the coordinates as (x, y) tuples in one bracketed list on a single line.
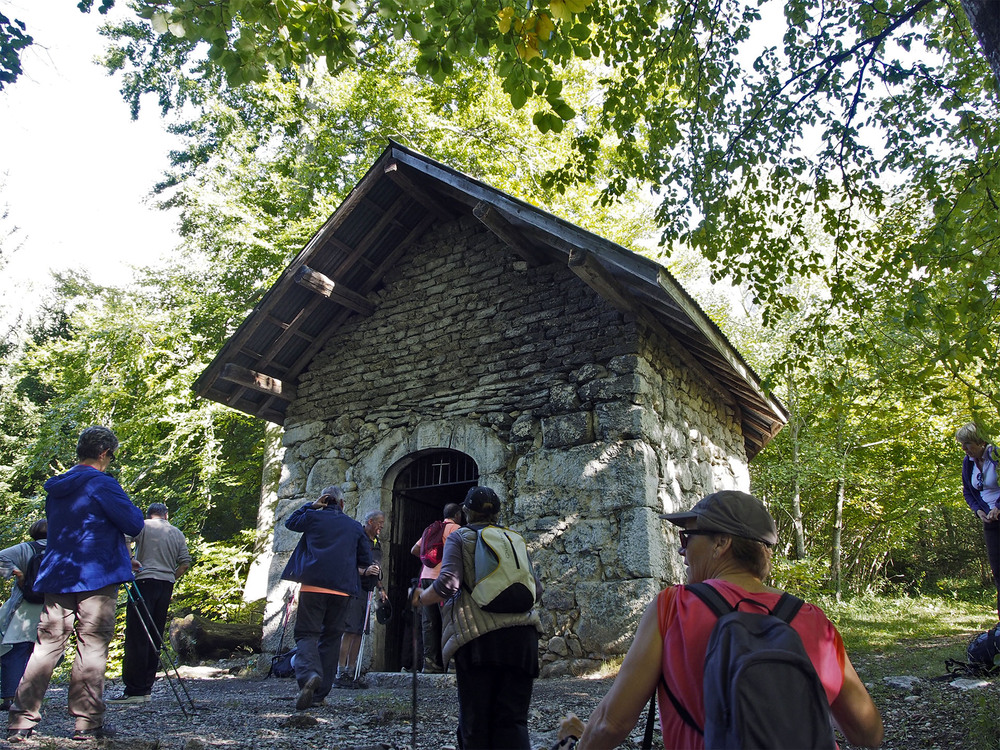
[(326, 561), (430, 617), (86, 559), (161, 558), (358, 613)]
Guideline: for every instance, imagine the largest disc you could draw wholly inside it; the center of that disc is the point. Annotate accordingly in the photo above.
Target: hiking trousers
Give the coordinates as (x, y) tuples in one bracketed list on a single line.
[(141, 658), (92, 615)]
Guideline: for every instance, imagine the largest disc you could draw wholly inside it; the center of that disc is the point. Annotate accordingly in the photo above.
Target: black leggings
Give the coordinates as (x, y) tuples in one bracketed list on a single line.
[(991, 533)]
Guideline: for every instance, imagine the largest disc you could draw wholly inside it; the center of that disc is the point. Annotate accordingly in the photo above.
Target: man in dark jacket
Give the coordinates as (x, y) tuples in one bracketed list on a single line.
[(326, 561), (86, 559)]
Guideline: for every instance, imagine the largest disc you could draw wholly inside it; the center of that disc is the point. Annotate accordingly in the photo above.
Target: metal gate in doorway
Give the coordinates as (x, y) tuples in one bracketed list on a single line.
[(432, 480)]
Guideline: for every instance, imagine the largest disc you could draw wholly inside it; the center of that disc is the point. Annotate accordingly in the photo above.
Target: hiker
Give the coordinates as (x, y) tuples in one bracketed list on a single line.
[(161, 558), (18, 617), (357, 616), (430, 617), (982, 492), (86, 559), (496, 655), (726, 540), (326, 561)]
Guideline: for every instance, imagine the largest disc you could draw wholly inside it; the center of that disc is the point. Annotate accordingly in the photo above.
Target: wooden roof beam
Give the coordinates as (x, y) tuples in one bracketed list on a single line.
[(510, 235), (324, 286), (421, 195), (258, 381)]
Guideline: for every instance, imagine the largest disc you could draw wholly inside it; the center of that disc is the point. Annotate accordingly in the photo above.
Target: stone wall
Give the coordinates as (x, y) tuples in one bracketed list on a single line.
[(580, 420)]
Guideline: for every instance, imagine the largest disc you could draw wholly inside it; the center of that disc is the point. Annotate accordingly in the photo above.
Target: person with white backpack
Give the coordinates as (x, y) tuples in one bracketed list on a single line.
[(495, 652)]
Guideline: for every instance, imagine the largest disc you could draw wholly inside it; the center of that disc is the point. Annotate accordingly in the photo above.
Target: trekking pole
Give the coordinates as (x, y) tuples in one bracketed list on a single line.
[(289, 596), (364, 634), (413, 661), (135, 596)]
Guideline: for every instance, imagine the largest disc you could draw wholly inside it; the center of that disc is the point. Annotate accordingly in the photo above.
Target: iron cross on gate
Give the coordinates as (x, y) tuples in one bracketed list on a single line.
[(441, 466)]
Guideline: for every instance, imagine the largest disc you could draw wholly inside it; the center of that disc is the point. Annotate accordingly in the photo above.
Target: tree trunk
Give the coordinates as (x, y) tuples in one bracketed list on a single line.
[(194, 638), (984, 15), (838, 525)]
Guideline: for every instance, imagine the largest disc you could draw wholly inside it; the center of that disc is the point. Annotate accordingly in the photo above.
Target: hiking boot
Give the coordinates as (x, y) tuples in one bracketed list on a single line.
[(359, 684), (305, 699), (95, 733), (18, 735), (343, 681), (126, 698)]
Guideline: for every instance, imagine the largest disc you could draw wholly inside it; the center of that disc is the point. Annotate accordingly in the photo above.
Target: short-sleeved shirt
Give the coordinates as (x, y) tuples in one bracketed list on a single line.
[(686, 624), (427, 573)]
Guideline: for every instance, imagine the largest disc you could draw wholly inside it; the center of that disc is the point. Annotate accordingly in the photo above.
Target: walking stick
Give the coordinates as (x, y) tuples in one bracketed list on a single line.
[(413, 661), (135, 596), (289, 596), (364, 634)]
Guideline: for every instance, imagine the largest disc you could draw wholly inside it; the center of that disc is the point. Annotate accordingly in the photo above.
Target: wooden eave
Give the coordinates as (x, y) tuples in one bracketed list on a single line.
[(402, 195)]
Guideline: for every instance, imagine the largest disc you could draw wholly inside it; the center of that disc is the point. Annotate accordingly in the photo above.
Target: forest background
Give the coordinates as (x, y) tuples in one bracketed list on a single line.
[(822, 177)]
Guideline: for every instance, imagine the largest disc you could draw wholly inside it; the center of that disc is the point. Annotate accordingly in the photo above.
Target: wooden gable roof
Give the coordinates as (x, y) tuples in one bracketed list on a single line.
[(394, 204)]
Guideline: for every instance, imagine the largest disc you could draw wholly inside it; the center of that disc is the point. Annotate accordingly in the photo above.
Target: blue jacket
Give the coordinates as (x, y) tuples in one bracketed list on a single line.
[(89, 516), (332, 548), (973, 497)]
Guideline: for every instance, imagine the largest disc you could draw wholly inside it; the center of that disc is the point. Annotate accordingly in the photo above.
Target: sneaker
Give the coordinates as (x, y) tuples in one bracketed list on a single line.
[(95, 733), (126, 698), (305, 698), (18, 735)]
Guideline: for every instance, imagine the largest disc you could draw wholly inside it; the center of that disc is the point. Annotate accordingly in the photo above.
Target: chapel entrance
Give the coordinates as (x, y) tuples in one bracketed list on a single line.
[(431, 480)]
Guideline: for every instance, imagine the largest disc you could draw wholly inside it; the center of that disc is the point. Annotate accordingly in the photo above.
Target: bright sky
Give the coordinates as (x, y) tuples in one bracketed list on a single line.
[(75, 170)]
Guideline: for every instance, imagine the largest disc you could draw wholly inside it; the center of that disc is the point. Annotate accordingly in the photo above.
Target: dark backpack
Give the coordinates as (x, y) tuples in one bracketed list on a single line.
[(432, 544), (27, 582), (981, 657), (761, 690)]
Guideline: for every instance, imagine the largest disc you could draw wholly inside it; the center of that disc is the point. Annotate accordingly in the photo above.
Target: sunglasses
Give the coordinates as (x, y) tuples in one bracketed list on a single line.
[(686, 535)]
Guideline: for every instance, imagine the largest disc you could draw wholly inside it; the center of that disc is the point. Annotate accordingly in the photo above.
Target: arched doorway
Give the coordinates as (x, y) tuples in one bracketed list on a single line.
[(431, 480)]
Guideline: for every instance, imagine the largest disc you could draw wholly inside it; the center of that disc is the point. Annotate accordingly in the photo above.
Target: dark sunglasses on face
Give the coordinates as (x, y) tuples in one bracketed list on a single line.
[(686, 535)]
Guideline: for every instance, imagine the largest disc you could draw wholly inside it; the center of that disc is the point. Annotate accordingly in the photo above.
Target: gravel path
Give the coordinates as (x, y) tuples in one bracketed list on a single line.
[(234, 710)]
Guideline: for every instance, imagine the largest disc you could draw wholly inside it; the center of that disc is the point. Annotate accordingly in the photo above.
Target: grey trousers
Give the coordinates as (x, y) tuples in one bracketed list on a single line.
[(92, 615)]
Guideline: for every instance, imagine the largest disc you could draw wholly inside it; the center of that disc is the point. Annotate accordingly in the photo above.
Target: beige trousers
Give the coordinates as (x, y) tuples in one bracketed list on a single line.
[(92, 615)]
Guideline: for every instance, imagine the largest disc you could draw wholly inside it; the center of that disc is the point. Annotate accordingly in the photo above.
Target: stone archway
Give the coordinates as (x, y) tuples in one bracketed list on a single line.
[(380, 475), (430, 480)]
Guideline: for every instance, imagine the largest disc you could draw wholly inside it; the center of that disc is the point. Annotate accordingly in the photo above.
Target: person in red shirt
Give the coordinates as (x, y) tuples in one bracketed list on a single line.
[(726, 541)]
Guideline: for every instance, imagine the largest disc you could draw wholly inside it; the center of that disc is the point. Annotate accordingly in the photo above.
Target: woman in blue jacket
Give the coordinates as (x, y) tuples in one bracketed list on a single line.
[(982, 492)]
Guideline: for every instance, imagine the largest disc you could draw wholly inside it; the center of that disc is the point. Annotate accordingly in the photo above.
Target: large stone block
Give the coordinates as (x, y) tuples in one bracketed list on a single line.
[(568, 430), (620, 420), (602, 476), (642, 546), (610, 612), (325, 472), (302, 431)]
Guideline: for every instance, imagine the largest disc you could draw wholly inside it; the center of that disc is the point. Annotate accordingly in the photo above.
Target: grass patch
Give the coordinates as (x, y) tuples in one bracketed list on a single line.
[(892, 636)]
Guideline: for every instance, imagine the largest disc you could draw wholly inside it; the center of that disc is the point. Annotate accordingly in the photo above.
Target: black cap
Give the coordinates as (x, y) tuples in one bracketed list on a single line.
[(730, 512), (482, 500)]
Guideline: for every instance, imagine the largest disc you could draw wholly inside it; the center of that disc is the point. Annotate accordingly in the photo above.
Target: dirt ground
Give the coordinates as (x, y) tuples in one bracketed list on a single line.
[(236, 709)]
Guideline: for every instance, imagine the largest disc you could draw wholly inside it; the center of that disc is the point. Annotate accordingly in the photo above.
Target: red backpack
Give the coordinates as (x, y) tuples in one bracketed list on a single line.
[(432, 544)]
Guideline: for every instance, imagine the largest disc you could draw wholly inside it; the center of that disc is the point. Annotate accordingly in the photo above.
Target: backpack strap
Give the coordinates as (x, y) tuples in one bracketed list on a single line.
[(37, 546), (681, 711), (787, 607), (712, 598)]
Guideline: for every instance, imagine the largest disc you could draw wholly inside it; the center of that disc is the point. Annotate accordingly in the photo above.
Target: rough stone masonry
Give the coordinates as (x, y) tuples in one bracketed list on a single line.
[(585, 423)]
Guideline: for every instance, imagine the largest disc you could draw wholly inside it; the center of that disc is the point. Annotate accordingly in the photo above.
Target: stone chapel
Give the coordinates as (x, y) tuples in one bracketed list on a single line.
[(436, 334)]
